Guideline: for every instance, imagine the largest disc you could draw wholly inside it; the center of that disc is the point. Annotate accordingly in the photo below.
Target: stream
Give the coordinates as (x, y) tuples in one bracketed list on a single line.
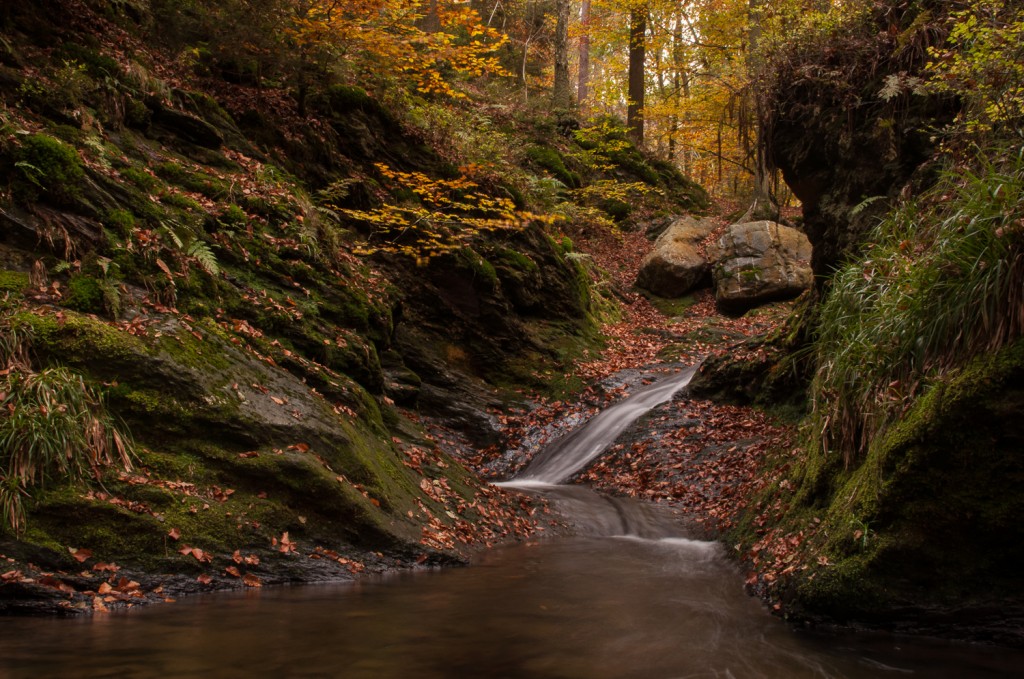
[(628, 595)]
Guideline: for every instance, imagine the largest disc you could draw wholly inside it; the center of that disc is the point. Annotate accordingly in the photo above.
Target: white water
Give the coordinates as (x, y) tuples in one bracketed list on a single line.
[(575, 451)]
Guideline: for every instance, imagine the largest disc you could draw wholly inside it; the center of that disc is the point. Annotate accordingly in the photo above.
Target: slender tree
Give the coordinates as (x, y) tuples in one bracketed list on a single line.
[(583, 81), (562, 89), (763, 204), (637, 85)]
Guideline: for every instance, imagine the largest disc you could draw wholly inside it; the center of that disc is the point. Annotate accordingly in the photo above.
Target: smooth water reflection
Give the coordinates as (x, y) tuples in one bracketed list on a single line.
[(567, 608)]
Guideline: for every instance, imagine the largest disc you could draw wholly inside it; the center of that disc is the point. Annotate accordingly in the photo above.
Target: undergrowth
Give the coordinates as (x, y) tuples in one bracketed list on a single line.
[(53, 427), (942, 282)]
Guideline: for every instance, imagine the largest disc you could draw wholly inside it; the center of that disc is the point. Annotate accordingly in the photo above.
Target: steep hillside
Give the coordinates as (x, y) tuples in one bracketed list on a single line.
[(252, 298)]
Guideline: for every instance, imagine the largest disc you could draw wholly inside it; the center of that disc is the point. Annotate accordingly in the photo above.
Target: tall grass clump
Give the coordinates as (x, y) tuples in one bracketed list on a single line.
[(942, 283), (53, 428)]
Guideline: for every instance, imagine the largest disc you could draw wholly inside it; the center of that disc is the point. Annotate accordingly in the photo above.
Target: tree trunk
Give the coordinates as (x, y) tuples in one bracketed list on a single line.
[(563, 90), (430, 22), (583, 86), (763, 204), (637, 75)]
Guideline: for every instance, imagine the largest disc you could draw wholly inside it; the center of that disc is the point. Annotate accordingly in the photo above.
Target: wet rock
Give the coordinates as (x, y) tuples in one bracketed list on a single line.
[(760, 262), (675, 265)]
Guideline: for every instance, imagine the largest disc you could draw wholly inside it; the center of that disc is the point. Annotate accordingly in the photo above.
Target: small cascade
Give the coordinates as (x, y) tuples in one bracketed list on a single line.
[(573, 452), (591, 513)]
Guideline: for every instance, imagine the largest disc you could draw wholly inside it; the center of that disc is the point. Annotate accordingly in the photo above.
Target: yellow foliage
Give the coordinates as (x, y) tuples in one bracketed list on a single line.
[(385, 36), (446, 214)]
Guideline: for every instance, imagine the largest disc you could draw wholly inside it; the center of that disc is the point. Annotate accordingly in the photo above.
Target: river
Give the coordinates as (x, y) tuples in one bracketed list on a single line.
[(628, 595)]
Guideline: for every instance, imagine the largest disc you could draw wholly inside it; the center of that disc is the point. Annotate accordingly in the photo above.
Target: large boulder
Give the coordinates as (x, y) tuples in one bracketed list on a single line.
[(675, 265), (760, 262)]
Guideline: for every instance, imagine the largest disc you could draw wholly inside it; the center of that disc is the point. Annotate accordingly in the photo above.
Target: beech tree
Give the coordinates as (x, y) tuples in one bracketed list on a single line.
[(583, 78), (562, 89)]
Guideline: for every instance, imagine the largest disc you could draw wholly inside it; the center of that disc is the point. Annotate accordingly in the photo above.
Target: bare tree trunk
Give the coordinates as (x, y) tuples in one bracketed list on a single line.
[(563, 90), (583, 86), (637, 75)]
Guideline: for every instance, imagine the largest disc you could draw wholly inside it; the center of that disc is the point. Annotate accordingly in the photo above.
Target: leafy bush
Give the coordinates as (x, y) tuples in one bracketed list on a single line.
[(943, 282), (983, 62)]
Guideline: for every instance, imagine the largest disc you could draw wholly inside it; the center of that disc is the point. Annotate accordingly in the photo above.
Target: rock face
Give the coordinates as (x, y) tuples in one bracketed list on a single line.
[(675, 265), (834, 155), (759, 262)]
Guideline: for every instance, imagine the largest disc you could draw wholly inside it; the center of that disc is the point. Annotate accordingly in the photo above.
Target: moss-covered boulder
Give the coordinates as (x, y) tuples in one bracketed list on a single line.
[(924, 534)]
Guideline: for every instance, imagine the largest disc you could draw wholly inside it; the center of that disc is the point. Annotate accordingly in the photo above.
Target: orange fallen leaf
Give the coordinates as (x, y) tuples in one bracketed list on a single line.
[(204, 579), (232, 571), (174, 534), (251, 581), (80, 555)]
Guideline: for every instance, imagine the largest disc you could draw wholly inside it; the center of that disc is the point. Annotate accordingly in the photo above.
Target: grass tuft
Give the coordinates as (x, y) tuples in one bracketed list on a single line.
[(942, 283), (53, 427)]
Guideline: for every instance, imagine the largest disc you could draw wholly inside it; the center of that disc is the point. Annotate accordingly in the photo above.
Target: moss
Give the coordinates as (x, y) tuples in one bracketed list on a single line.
[(550, 160), (481, 268), (676, 307), (144, 404), (140, 178), (80, 340), (233, 216), (516, 260), (934, 502), (84, 294), (97, 65), (13, 281), (111, 532), (137, 115), (47, 167), (192, 180), (181, 201), (120, 221), (616, 209)]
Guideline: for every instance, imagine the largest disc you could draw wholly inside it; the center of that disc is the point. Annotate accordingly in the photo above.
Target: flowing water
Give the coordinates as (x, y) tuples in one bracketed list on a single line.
[(573, 452), (628, 596)]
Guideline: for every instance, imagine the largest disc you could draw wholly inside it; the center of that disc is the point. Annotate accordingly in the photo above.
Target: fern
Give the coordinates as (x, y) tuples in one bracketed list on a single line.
[(202, 253)]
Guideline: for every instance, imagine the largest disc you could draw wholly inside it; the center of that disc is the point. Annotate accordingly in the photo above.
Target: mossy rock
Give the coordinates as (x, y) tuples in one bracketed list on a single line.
[(552, 161), (85, 294), (936, 504), (47, 167)]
